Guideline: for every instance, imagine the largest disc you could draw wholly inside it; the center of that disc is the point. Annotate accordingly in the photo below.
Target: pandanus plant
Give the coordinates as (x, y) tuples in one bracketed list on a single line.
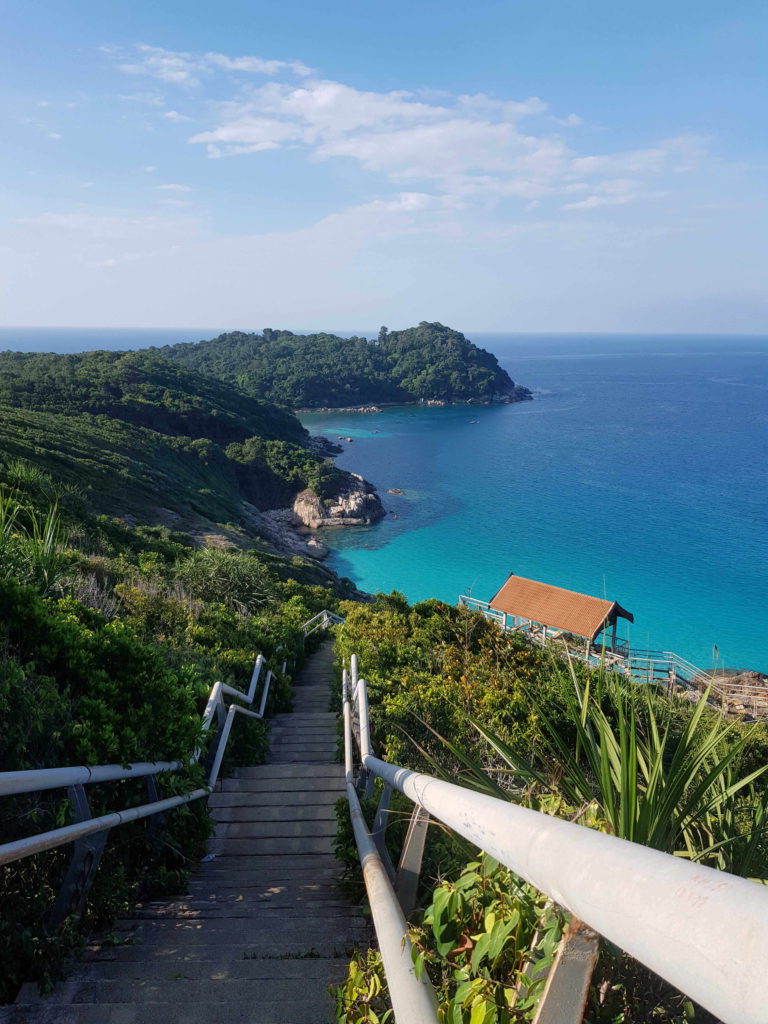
[(636, 773)]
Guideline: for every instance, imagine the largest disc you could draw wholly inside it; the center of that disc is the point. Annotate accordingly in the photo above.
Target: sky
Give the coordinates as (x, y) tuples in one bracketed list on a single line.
[(525, 165)]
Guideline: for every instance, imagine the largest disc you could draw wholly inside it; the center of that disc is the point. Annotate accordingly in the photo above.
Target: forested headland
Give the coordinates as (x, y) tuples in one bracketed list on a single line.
[(430, 362)]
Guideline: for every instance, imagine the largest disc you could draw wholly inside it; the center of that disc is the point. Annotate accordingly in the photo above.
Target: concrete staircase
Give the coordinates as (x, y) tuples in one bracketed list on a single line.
[(264, 931)]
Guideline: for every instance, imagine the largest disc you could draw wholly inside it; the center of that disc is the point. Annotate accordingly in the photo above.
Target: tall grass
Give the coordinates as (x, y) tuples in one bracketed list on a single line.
[(32, 545)]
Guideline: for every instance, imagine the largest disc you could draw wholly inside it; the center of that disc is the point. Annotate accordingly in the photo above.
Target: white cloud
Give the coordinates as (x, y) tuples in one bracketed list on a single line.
[(466, 149), (254, 65), (149, 99), (182, 68), (174, 188), (150, 169), (54, 135), (616, 192), (571, 121), (107, 226)]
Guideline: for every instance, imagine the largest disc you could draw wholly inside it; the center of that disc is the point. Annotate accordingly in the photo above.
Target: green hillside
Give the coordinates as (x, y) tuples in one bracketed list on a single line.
[(430, 362), (142, 389), (142, 437)]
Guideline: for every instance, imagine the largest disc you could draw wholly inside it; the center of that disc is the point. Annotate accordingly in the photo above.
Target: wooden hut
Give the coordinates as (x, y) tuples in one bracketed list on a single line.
[(541, 608)]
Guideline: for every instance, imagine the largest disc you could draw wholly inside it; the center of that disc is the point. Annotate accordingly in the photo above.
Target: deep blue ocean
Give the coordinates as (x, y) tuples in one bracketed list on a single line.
[(639, 472)]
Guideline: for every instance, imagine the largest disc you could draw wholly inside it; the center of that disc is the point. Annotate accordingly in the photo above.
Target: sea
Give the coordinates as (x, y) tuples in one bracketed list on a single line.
[(639, 472)]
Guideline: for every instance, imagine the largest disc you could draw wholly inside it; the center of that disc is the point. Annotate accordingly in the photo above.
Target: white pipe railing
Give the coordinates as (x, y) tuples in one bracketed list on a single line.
[(413, 999), (322, 620), (37, 780), (704, 931)]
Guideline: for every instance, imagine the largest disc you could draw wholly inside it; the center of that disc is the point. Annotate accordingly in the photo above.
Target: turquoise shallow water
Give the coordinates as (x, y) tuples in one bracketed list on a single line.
[(638, 473)]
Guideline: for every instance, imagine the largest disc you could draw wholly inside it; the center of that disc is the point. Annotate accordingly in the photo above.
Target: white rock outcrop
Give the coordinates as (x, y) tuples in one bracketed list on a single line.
[(356, 504)]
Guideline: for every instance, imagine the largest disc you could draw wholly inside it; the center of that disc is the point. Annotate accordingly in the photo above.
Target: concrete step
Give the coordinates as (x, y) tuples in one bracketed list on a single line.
[(318, 810), (250, 969), (266, 988), (247, 847), (301, 753), (295, 757), (268, 771), (320, 741), (276, 829), (268, 798), (287, 1009), (234, 937), (322, 878), (308, 734), (283, 865), (250, 910)]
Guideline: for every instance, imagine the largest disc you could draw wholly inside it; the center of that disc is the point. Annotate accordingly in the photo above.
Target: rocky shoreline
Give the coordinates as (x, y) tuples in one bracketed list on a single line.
[(517, 393), (292, 530)]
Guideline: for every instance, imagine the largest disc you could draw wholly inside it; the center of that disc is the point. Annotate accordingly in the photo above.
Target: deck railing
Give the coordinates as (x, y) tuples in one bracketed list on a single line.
[(662, 667), (704, 931)]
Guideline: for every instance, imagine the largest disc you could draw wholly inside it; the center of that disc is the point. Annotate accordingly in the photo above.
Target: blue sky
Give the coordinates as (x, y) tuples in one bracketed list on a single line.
[(550, 166)]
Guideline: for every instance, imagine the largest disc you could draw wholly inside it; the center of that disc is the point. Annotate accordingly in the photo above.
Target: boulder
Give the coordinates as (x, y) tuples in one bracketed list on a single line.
[(356, 504)]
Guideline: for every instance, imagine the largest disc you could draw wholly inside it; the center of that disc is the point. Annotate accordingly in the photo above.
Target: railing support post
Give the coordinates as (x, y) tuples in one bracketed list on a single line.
[(564, 998), (378, 835), (82, 868), (409, 868)]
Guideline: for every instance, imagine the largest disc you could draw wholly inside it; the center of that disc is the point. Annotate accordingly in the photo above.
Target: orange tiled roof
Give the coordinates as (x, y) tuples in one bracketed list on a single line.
[(556, 607)]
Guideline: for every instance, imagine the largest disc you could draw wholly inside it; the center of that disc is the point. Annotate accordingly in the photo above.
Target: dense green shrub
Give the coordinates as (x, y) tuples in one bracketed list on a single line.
[(115, 665), (452, 695)]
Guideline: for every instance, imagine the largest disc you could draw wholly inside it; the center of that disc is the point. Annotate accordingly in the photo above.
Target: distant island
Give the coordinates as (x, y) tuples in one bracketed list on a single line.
[(428, 364)]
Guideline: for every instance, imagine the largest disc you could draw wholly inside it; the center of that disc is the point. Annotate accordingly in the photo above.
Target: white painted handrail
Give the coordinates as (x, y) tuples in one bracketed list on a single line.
[(413, 1000), (704, 931), (37, 780), (322, 620)]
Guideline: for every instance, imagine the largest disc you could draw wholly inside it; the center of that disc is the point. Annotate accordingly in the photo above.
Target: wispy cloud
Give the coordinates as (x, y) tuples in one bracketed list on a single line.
[(463, 149), (467, 149), (174, 188), (188, 69)]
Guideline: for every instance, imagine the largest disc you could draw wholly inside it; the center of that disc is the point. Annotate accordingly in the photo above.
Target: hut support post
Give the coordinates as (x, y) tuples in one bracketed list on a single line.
[(613, 636)]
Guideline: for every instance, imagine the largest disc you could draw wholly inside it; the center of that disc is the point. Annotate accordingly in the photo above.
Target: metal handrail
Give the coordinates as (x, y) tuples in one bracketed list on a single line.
[(704, 931), (322, 620), (413, 1000), (38, 780)]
